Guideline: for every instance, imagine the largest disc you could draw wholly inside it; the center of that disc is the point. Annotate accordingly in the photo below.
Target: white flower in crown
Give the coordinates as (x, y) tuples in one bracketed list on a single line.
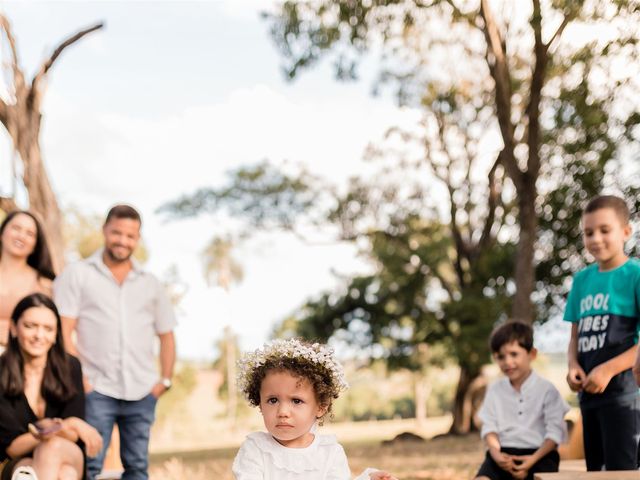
[(292, 348)]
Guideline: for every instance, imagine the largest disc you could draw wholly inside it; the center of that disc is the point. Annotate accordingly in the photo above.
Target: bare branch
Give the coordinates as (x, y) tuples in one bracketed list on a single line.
[(499, 69), (535, 95), (46, 66), (492, 203), (558, 32), (18, 76), (7, 204), (4, 114)]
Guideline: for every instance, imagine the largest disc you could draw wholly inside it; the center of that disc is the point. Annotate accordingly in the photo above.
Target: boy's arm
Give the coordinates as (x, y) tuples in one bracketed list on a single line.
[(503, 460), (636, 368), (600, 376), (576, 375), (528, 461)]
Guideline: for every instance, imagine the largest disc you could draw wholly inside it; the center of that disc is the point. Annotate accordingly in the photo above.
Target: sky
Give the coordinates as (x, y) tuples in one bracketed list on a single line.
[(167, 98)]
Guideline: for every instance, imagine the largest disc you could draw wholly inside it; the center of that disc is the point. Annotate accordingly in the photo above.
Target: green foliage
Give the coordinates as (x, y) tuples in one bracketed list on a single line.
[(220, 266), (405, 304), (263, 195)]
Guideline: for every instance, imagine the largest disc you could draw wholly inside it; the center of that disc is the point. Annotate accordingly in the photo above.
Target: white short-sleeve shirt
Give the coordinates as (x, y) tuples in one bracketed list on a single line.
[(525, 418), (261, 457), (117, 324)]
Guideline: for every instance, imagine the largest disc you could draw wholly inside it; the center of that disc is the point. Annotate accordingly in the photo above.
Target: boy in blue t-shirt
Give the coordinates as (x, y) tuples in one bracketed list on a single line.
[(603, 306)]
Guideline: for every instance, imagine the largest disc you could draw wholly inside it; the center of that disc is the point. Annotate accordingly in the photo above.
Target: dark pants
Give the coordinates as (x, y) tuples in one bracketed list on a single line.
[(134, 420), (489, 468), (612, 436)]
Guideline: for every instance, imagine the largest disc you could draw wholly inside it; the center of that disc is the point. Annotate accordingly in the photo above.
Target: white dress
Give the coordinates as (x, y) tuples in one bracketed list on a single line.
[(261, 457)]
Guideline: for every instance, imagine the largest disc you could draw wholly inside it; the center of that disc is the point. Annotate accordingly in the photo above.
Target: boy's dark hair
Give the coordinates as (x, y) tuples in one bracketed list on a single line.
[(123, 211), (617, 204), (512, 331)]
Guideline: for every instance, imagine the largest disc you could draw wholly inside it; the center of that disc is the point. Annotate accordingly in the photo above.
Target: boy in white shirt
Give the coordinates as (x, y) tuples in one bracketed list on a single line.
[(522, 414)]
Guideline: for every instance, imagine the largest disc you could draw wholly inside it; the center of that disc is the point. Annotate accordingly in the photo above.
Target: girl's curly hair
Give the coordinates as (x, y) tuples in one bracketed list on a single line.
[(311, 362)]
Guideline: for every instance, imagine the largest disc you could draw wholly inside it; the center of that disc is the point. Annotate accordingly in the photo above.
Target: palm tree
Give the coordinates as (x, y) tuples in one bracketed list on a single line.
[(220, 267)]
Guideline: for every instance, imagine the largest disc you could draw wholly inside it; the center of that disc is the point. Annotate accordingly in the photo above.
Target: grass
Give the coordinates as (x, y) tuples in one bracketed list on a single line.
[(442, 458)]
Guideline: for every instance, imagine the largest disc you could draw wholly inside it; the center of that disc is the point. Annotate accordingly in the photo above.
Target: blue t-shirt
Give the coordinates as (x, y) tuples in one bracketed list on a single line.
[(606, 305)]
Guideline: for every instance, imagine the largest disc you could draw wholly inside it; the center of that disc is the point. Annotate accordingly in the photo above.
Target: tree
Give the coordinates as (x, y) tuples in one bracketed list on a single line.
[(20, 114), (556, 108), (220, 266), (516, 67)]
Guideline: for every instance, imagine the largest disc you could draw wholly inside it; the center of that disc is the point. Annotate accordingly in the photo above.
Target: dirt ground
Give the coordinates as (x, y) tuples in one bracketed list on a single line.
[(442, 458)]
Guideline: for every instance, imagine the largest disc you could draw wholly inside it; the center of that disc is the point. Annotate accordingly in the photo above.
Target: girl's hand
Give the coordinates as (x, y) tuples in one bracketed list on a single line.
[(379, 475)]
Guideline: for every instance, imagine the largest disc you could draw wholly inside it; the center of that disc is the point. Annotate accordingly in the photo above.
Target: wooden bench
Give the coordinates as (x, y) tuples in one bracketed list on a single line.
[(627, 475)]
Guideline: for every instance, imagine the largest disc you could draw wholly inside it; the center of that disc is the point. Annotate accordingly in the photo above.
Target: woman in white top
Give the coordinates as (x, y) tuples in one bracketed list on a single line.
[(293, 383), (25, 264)]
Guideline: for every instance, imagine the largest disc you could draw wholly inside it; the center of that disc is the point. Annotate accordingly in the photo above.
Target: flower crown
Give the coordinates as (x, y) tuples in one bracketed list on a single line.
[(292, 348)]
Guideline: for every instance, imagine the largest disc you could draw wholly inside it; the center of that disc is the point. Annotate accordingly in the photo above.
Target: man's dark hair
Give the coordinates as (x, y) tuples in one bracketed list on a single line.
[(617, 204), (123, 211), (512, 331)]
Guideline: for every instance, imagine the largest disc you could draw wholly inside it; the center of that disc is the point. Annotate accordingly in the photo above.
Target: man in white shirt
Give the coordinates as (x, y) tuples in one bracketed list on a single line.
[(117, 309), (522, 414)]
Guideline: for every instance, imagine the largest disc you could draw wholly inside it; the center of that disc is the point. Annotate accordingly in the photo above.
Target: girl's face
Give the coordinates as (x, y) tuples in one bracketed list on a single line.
[(289, 408), (36, 331), (19, 236)]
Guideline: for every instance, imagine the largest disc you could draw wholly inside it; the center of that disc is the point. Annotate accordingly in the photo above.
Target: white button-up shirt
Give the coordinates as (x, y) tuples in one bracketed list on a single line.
[(117, 324), (526, 418)]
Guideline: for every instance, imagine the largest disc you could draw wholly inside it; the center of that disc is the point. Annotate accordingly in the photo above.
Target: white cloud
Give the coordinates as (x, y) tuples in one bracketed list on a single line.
[(97, 159)]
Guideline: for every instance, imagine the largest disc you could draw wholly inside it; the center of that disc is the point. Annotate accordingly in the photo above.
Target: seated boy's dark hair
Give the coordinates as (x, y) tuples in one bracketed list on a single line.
[(512, 331), (617, 204)]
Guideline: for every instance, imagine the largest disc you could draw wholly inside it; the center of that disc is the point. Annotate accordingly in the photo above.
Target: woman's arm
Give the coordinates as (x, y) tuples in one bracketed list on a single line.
[(22, 445), (75, 429)]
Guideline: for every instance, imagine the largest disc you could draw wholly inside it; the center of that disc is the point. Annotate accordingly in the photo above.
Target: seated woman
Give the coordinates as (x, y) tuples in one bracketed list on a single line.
[(41, 399)]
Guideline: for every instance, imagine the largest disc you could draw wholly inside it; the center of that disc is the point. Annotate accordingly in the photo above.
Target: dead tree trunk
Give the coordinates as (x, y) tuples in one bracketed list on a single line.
[(21, 116)]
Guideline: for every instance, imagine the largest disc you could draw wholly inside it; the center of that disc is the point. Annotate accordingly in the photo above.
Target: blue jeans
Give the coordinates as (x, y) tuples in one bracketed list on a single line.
[(134, 419)]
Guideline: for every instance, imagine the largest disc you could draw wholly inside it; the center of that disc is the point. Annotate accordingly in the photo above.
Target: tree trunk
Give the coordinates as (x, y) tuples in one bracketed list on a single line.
[(21, 117), (422, 390), (42, 199), (232, 400), (523, 308), (469, 394)]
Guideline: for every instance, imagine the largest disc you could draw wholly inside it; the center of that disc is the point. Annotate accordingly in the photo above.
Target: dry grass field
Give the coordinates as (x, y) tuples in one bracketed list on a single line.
[(444, 458)]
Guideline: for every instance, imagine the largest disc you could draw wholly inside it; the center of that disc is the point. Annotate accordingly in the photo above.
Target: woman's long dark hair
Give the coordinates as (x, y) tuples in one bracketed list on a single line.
[(57, 384), (40, 258)]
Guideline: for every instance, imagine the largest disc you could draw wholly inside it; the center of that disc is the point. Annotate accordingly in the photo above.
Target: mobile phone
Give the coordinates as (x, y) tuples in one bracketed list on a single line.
[(47, 426)]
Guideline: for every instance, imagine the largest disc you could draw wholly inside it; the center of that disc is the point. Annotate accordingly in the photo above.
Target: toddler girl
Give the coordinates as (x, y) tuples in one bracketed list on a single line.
[(293, 383)]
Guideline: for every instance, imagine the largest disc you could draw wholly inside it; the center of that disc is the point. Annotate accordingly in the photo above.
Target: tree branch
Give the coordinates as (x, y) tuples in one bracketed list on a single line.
[(492, 203), (46, 66), (4, 114), (556, 35), (499, 69), (18, 76), (535, 95), (8, 204)]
